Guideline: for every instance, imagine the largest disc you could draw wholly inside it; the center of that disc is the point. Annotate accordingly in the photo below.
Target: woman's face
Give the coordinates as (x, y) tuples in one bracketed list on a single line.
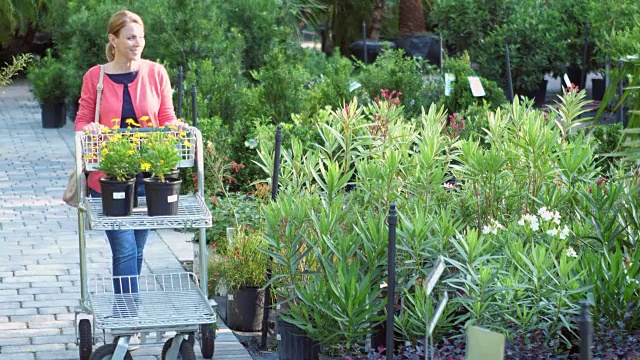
[(129, 42)]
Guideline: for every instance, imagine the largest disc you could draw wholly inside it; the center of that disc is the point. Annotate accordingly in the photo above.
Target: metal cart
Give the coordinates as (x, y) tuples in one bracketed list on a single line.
[(164, 302)]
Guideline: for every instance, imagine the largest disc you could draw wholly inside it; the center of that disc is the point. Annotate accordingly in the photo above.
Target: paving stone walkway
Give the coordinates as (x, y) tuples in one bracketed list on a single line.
[(39, 261)]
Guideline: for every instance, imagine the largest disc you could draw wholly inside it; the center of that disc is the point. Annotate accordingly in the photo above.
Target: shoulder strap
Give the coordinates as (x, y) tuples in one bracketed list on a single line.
[(99, 95)]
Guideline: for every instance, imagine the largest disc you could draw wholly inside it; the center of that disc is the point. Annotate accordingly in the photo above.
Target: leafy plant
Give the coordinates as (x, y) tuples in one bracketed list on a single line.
[(159, 152), (119, 156), (10, 70), (48, 77), (242, 264)]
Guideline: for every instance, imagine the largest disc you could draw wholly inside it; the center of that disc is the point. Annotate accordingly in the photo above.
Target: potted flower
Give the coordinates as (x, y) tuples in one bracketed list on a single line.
[(120, 161), (48, 77), (160, 156), (242, 269)]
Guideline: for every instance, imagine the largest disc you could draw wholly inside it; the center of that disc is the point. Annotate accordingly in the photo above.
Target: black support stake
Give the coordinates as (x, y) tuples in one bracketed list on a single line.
[(509, 80), (441, 55), (180, 78), (364, 41), (274, 194), (620, 112), (194, 108), (583, 72), (391, 281), (586, 332)]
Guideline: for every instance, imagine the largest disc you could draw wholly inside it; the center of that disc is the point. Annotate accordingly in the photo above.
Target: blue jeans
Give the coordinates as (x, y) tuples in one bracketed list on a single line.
[(127, 247)]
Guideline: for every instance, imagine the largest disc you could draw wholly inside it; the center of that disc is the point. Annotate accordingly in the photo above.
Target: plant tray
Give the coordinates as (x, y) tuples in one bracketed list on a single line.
[(192, 213), (162, 301)]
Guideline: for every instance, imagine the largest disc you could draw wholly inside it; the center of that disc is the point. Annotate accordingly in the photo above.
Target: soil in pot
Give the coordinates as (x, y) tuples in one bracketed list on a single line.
[(294, 344), (117, 197), (245, 308), (162, 197)]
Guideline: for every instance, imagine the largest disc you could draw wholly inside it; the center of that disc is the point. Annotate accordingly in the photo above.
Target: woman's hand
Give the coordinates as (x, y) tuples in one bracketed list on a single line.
[(177, 123), (93, 127)]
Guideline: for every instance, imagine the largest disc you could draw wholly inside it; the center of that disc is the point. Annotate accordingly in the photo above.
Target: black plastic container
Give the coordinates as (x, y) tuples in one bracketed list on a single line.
[(117, 197), (162, 197), (294, 343), (245, 308), (54, 115)]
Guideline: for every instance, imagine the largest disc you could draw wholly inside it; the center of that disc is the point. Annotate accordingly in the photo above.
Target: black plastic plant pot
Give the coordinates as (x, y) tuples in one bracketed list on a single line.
[(598, 87), (117, 197), (53, 115), (294, 343), (162, 196), (245, 308)]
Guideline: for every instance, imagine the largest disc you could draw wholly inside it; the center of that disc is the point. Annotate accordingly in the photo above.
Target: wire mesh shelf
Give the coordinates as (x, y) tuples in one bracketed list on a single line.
[(161, 301), (192, 213), (92, 145)]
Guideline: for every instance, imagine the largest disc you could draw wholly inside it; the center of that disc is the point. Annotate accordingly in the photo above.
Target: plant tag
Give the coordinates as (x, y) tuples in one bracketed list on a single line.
[(278, 306), (567, 82), (448, 81), (476, 86), (172, 198), (230, 297), (118, 195), (278, 337), (483, 344)]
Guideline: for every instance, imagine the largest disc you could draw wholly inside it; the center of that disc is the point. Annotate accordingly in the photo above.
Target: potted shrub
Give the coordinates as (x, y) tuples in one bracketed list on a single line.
[(242, 268), (120, 161), (48, 84), (160, 156)]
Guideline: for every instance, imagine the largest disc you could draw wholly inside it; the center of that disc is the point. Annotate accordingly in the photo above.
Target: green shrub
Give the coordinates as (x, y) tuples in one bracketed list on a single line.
[(258, 21), (607, 138), (48, 77), (331, 80), (393, 70), (461, 96)]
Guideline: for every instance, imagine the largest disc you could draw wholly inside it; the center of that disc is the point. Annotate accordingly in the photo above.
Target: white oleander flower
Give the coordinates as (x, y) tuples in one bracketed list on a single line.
[(571, 252)]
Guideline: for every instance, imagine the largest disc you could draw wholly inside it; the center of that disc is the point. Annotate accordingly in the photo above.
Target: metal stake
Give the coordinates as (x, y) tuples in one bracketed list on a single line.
[(364, 41), (274, 194), (583, 72), (509, 80), (194, 108), (620, 92), (180, 78), (391, 281), (586, 331)]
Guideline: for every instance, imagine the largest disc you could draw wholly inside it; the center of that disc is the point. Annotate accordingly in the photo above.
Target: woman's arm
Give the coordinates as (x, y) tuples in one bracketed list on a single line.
[(87, 104)]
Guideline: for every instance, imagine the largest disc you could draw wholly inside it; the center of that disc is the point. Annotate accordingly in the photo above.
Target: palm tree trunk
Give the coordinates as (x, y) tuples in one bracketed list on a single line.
[(376, 21), (411, 18)]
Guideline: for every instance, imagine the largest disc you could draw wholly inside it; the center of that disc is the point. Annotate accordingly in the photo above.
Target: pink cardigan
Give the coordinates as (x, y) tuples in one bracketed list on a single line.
[(150, 94)]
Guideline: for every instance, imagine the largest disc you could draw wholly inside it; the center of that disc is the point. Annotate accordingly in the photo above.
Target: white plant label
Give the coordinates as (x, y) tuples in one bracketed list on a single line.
[(476, 86), (118, 195), (567, 82), (230, 297), (278, 337), (449, 79), (172, 198)]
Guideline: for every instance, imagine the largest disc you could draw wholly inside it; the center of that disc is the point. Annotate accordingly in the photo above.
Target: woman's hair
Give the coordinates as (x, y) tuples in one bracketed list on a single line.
[(119, 20)]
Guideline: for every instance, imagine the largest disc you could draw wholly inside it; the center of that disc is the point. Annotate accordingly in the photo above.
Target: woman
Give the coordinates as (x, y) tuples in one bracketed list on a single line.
[(133, 88)]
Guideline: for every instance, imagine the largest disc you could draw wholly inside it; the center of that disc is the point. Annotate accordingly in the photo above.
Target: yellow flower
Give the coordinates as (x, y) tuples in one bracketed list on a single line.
[(104, 152), (115, 120), (187, 143), (182, 133), (145, 166), (116, 127), (132, 122), (144, 118), (161, 161), (105, 130), (130, 152)]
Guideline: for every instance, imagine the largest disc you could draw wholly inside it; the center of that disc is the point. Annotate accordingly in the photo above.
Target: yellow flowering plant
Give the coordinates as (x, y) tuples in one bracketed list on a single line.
[(160, 153), (119, 156)]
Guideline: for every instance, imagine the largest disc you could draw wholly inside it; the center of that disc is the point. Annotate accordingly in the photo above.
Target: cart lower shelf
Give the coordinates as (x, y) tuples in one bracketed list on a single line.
[(192, 213), (164, 300)]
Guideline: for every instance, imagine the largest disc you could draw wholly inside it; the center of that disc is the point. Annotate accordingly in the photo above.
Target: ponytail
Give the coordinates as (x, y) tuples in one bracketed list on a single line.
[(110, 52)]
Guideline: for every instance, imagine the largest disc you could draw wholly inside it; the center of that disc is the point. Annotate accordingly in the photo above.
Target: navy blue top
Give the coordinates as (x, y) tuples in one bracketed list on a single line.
[(127, 105)]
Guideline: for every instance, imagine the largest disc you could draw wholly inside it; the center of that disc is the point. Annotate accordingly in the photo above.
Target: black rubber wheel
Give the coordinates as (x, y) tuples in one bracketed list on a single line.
[(207, 340), (85, 343), (105, 352), (191, 339), (186, 351)]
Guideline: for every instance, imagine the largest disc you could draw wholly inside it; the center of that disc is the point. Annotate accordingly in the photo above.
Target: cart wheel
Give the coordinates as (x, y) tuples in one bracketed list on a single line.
[(207, 340), (105, 352), (85, 344), (186, 351), (191, 339)]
